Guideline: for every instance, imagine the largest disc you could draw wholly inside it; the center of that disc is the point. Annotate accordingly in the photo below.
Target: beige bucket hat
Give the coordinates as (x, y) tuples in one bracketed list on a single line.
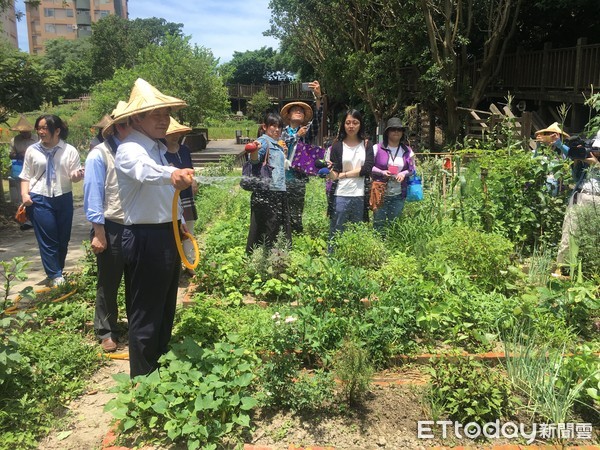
[(109, 129), (145, 97), (22, 125), (554, 128), (176, 128), (308, 112)]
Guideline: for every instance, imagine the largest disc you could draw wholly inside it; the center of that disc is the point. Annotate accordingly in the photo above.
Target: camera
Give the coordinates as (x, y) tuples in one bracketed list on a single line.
[(579, 148), (320, 164), (306, 87)]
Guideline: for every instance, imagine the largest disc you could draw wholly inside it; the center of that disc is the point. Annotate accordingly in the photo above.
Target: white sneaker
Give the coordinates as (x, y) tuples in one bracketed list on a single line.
[(57, 281)]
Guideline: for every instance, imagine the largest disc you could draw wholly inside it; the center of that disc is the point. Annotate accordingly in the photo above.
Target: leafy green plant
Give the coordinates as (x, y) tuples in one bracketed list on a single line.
[(312, 391), (11, 271), (351, 366), (53, 369), (468, 391), (485, 257), (199, 396), (360, 246), (541, 374)]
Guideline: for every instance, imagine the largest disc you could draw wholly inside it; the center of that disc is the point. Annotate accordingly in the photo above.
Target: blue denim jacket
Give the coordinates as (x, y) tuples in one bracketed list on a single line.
[(276, 160)]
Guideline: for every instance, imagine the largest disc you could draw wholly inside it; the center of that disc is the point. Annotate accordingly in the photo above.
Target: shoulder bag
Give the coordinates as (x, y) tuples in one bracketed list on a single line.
[(255, 176)]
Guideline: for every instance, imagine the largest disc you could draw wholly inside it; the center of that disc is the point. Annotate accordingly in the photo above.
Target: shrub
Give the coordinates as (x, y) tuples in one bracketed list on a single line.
[(467, 391), (485, 257), (360, 246)]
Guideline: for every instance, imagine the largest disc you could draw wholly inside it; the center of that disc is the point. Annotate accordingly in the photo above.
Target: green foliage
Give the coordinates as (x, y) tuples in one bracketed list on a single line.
[(11, 271), (24, 84), (513, 196), (199, 396), (538, 371), (587, 237), (259, 105), (202, 322), (71, 60), (116, 42), (54, 368), (352, 368), (360, 246), (176, 68), (485, 257), (255, 67), (467, 391), (574, 304)]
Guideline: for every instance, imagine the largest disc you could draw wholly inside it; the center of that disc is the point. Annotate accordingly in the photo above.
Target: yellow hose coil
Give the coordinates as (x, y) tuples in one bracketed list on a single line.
[(184, 259)]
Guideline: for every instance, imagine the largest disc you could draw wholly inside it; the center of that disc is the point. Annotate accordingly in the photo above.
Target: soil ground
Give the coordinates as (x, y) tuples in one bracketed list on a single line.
[(386, 420)]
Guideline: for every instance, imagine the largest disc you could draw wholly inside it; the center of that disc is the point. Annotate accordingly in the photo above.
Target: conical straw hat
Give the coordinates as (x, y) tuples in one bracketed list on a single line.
[(176, 127), (103, 122), (22, 125), (554, 128), (145, 97), (109, 129)]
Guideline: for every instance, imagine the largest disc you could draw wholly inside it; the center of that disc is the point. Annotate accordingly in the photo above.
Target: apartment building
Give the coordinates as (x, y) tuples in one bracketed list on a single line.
[(8, 25), (70, 19)]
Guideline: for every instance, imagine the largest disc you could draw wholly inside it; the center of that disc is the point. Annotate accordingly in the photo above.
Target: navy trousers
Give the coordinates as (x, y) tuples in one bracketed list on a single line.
[(152, 267), (110, 272), (52, 218)]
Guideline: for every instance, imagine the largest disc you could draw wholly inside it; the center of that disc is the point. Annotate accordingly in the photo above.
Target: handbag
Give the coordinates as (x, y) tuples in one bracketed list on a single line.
[(377, 194), (305, 157), (257, 177), (21, 215), (414, 192)]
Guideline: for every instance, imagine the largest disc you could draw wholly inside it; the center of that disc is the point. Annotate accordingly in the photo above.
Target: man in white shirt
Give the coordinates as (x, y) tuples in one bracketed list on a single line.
[(146, 188)]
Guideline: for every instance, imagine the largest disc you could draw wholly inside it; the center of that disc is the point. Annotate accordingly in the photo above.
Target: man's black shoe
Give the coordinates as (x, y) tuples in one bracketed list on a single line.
[(26, 226)]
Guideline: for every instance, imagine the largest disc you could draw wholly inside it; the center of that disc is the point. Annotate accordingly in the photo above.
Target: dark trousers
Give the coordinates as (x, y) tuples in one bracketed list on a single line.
[(152, 267), (110, 272), (52, 218), (296, 192), (268, 216)]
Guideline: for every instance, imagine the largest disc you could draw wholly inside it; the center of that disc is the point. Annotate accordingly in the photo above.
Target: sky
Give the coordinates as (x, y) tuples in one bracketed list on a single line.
[(223, 26)]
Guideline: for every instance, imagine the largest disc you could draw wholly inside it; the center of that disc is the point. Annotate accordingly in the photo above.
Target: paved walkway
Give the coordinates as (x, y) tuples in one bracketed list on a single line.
[(23, 243)]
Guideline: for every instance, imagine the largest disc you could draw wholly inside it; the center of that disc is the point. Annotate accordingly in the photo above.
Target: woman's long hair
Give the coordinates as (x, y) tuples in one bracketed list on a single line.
[(355, 115)]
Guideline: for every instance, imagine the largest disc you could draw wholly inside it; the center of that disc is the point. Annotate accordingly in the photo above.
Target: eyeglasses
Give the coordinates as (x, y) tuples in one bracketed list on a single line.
[(44, 128), (396, 129)]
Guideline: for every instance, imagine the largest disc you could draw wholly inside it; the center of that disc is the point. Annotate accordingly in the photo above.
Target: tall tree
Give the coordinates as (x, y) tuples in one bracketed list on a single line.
[(176, 68), (116, 42), (24, 84), (355, 47), (261, 66), (71, 61), (450, 27)]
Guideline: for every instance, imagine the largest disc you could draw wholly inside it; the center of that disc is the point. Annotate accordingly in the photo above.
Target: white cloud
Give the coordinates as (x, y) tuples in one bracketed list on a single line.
[(223, 26)]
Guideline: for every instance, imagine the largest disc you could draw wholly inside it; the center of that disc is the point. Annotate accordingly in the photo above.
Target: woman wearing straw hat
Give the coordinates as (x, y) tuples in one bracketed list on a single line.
[(146, 188), (103, 210), (50, 167), (298, 117), (180, 156)]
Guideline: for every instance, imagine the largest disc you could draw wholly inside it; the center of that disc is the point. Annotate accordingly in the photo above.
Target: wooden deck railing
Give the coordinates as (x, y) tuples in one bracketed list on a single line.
[(569, 70)]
